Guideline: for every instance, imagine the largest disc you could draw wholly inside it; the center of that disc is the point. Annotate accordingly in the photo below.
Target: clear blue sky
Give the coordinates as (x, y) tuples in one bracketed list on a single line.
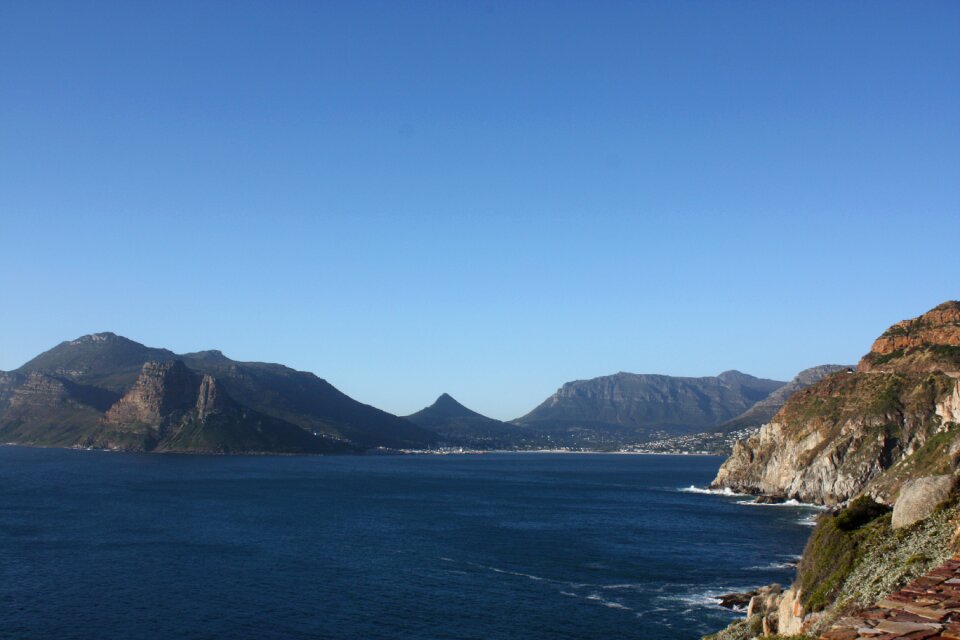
[(487, 199)]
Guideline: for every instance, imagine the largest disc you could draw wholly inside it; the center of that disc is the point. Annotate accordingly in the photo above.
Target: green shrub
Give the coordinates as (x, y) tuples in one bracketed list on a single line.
[(861, 511), (886, 357), (833, 549)]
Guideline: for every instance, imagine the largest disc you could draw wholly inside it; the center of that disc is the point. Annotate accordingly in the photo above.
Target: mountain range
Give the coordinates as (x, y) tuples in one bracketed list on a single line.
[(104, 390), (646, 406), (72, 395)]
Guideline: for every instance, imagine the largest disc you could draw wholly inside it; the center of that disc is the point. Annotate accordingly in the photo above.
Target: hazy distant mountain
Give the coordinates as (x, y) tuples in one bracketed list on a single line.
[(62, 396), (458, 425), (764, 410), (641, 405)]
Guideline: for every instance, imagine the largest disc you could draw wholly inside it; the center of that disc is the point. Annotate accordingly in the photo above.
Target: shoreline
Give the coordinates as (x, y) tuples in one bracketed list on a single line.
[(369, 452)]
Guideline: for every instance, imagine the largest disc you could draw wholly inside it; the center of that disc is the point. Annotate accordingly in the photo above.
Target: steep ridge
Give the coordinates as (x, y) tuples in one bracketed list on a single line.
[(310, 402), (866, 431), (172, 408), (647, 405), (764, 410), (94, 371)]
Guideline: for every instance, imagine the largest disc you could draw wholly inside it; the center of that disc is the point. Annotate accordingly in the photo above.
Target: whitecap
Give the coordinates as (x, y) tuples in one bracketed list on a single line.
[(709, 598), (513, 573), (626, 585), (594, 597), (787, 503), (726, 491), (773, 566), (598, 599)]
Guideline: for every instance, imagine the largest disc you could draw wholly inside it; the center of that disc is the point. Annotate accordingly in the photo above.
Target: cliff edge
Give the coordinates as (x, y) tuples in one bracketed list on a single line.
[(868, 431)]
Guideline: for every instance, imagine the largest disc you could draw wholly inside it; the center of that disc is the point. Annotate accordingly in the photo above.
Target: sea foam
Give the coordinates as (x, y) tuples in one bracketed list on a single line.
[(726, 491), (787, 503)]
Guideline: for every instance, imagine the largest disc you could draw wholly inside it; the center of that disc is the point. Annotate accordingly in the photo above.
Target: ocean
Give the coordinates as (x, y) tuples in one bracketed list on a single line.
[(96, 544)]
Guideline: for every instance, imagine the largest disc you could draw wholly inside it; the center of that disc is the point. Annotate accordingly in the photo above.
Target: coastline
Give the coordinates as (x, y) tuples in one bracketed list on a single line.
[(368, 452)]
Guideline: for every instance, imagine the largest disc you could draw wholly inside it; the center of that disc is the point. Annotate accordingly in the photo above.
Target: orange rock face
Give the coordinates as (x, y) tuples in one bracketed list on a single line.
[(930, 342), (160, 389)]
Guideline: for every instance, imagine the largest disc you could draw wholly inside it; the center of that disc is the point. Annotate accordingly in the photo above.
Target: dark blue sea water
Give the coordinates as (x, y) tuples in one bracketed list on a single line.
[(552, 546)]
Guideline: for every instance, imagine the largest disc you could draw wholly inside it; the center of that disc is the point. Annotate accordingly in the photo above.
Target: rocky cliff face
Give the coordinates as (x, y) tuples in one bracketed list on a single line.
[(36, 408), (172, 408), (161, 389), (930, 342), (869, 431)]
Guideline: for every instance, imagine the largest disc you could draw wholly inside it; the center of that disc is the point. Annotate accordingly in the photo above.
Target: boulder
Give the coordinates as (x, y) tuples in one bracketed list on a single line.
[(790, 614), (918, 498), (735, 600)]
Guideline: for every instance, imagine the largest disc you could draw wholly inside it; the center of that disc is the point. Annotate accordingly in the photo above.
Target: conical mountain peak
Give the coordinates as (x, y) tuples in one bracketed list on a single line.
[(444, 408), (446, 401)]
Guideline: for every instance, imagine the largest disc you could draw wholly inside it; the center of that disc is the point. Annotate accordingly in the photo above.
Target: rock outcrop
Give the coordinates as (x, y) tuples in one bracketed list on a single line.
[(948, 409), (790, 613), (161, 389), (172, 408), (855, 432), (930, 342), (918, 498)]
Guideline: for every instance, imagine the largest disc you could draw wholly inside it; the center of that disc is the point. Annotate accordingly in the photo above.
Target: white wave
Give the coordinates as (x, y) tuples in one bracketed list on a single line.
[(726, 491), (787, 503), (773, 566), (512, 573), (627, 585), (652, 611), (808, 521), (607, 603), (710, 598), (597, 598)]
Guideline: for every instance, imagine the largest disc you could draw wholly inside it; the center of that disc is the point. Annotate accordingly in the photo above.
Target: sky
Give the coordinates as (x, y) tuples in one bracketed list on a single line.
[(485, 199)]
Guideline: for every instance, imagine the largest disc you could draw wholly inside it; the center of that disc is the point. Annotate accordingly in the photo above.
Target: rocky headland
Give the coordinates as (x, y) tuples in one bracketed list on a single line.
[(879, 446), (865, 431)]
